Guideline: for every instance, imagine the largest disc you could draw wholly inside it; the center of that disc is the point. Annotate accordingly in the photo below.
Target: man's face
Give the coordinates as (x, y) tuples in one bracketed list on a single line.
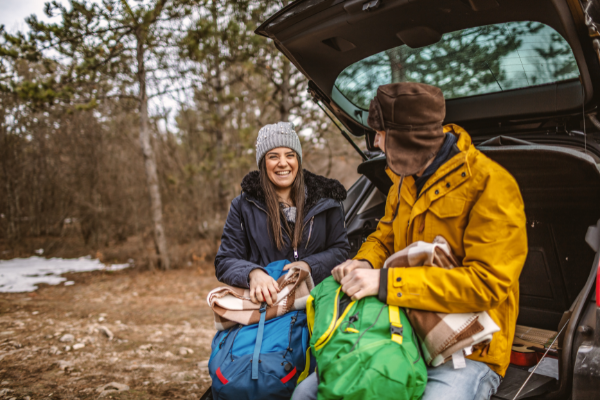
[(380, 140)]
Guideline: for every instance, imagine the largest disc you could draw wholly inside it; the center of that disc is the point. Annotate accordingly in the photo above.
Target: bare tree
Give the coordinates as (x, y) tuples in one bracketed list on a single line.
[(110, 45)]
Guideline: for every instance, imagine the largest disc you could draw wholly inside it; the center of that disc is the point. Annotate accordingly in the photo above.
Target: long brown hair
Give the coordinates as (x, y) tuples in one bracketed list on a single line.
[(274, 213)]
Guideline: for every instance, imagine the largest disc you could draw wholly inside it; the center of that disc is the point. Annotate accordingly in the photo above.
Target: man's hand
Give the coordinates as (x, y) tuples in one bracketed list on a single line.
[(348, 266), (297, 264), (361, 282), (262, 287)]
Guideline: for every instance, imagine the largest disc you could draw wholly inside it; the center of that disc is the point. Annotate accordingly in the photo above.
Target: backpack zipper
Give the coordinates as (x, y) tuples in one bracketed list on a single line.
[(367, 330), (292, 322), (335, 322)]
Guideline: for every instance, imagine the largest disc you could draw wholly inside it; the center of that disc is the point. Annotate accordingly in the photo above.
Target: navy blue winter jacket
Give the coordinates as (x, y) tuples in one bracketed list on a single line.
[(246, 243)]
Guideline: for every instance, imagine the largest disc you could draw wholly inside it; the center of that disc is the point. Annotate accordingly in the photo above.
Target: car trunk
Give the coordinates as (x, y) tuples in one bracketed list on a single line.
[(561, 191), (554, 162)]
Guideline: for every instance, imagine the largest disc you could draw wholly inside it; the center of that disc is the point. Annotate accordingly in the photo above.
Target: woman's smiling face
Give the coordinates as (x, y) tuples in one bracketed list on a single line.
[(282, 166)]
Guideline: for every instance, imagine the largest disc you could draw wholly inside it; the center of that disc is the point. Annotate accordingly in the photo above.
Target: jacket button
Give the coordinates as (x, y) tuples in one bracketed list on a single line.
[(448, 184), (463, 174), (398, 279), (399, 294), (437, 192)]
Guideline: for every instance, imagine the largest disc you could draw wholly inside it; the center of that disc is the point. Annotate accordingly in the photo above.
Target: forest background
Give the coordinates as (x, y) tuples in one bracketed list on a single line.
[(110, 93)]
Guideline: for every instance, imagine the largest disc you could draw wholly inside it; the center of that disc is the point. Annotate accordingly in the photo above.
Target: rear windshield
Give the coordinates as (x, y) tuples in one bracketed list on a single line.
[(470, 62)]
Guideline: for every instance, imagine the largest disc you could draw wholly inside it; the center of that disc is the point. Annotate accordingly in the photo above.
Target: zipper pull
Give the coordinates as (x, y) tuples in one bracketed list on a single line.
[(295, 254)]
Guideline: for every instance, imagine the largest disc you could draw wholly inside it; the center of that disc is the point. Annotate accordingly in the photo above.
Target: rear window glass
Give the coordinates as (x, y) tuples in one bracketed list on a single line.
[(473, 61)]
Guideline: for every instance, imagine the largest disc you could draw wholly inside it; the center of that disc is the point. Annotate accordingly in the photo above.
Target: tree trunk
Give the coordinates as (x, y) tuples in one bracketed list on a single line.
[(286, 99), (160, 239), (218, 87), (397, 59), (218, 130)]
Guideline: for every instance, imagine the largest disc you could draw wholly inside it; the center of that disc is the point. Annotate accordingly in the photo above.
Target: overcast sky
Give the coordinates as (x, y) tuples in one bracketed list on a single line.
[(13, 12)]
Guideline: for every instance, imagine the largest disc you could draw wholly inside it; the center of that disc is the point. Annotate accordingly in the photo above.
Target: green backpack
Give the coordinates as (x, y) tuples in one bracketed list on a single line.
[(364, 349)]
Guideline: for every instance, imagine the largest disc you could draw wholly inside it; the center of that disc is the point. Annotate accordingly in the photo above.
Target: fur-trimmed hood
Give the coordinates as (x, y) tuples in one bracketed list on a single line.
[(317, 187)]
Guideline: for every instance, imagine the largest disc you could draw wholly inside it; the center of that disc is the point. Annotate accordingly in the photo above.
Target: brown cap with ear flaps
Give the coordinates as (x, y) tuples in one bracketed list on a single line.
[(411, 114)]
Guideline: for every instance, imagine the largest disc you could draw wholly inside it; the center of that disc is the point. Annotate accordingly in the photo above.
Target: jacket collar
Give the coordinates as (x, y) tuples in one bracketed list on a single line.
[(459, 163), (318, 188)]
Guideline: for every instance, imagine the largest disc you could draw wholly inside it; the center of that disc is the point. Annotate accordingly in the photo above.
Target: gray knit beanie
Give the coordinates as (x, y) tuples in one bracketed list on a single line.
[(281, 134)]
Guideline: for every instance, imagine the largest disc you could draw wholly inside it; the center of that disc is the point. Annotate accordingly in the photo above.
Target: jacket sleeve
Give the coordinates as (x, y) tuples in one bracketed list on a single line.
[(337, 246), (380, 244), (231, 265), (495, 243)]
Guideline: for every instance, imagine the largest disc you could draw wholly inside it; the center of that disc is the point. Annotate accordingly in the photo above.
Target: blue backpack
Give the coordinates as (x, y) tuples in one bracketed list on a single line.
[(264, 360)]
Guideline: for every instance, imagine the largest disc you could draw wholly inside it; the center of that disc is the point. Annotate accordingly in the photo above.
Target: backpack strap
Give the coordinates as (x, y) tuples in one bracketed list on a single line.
[(396, 328), (259, 338)]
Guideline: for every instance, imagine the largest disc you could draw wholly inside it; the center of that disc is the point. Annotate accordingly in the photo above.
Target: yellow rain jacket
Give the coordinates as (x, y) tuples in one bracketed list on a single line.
[(476, 205)]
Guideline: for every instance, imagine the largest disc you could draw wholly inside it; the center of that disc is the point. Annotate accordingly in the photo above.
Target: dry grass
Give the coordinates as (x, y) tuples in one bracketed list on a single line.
[(151, 314)]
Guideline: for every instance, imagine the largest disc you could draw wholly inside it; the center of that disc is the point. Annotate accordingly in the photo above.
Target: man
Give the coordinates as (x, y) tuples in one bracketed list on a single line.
[(442, 185)]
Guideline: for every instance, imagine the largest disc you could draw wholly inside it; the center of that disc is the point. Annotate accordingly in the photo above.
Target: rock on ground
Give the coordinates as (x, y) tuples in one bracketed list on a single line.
[(63, 365), (67, 338), (111, 388), (106, 332)]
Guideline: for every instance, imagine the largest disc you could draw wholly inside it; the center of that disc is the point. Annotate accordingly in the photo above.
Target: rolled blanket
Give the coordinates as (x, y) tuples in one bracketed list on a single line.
[(232, 305), (442, 334)]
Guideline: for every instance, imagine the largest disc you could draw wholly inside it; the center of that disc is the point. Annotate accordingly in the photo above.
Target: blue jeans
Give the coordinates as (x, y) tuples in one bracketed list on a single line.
[(474, 382)]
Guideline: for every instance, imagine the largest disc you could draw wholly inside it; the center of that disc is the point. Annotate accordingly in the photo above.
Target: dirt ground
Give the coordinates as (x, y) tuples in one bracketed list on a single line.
[(149, 331)]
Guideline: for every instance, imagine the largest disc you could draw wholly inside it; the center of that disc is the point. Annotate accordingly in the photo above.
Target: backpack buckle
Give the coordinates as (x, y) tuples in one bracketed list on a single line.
[(263, 307), (396, 330)]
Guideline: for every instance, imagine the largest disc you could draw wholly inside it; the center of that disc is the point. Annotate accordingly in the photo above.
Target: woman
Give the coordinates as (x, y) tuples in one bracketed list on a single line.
[(284, 212)]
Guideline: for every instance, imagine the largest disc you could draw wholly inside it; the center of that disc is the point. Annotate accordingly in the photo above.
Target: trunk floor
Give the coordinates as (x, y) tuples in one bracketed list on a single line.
[(514, 379)]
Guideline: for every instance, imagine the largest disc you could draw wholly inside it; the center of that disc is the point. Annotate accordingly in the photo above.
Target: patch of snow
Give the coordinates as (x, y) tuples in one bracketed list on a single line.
[(69, 283), (23, 274), (116, 267), (39, 252)]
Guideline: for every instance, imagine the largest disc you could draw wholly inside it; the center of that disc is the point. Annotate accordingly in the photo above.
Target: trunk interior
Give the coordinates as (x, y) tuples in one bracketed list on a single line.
[(561, 190)]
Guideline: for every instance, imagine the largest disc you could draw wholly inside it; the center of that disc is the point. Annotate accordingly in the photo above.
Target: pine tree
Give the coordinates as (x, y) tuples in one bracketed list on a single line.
[(103, 50), (468, 62)]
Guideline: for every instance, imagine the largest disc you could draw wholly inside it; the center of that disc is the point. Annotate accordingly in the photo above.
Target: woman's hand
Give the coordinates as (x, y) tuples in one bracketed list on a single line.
[(297, 264), (348, 266), (262, 287)]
